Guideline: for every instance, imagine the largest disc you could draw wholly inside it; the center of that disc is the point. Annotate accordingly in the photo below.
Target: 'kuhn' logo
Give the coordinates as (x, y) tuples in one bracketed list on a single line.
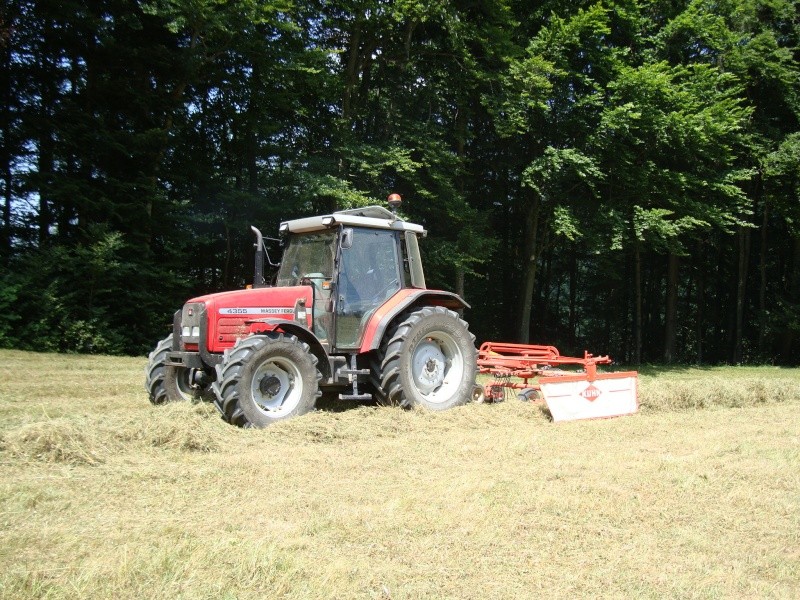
[(591, 393)]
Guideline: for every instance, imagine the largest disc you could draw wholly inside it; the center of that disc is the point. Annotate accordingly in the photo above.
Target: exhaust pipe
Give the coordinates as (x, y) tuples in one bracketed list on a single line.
[(258, 275)]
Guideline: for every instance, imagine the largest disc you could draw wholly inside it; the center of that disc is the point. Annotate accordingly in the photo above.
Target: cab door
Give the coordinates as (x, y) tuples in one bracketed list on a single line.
[(369, 274)]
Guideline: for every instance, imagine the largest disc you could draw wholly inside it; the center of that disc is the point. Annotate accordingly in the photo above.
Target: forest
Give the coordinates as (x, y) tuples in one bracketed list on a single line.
[(621, 176)]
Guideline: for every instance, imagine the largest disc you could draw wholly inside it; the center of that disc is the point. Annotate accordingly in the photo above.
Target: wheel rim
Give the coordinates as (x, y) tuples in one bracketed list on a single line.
[(277, 387), (437, 367), (183, 381)]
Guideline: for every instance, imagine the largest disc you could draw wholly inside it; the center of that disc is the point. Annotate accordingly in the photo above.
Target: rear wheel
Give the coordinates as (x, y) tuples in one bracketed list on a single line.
[(263, 379), (165, 383), (428, 360)]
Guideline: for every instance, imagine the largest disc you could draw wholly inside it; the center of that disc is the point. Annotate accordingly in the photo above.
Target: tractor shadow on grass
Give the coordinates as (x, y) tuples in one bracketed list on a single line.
[(330, 403)]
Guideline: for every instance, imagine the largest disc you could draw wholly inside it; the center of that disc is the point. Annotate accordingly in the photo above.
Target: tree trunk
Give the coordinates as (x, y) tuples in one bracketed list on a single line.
[(505, 282), (550, 308), (251, 139), (626, 316), (573, 296), (460, 281), (671, 312), (529, 269), (716, 348), (762, 288), (45, 173), (351, 71), (701, 303), (226, 273), (637, 284), (45, 142), (741, 289), (5, 153), (789, 334), (461, 144), (174, 100)]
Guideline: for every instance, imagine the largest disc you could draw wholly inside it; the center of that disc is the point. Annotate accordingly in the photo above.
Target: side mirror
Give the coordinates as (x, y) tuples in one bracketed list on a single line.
[(347, 239)]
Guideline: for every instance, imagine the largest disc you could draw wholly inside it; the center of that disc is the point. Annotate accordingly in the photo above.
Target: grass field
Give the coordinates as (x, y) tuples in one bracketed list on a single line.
[(105, 496)]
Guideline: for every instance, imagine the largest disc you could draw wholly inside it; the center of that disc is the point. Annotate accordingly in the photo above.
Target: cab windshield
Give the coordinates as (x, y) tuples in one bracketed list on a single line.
[(308, 255)]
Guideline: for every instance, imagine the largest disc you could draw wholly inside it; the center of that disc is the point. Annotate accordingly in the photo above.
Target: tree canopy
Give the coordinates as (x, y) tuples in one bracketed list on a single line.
[(621, 176)]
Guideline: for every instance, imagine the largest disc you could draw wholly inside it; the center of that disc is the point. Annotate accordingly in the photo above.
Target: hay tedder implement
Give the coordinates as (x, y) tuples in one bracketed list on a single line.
[(572, 387)]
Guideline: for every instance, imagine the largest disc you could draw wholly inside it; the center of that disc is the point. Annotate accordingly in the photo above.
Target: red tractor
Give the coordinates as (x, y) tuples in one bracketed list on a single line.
[(349, 311)]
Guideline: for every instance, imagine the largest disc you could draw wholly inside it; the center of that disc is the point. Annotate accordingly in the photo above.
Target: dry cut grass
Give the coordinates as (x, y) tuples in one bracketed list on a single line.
[(103, 495), (669, 389)]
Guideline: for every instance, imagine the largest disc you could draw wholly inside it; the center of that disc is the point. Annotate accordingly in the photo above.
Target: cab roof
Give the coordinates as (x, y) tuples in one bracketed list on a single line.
[(368, 216)]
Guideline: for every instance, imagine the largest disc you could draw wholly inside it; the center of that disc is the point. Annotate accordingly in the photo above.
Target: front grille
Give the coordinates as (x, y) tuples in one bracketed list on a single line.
[(229, 329)]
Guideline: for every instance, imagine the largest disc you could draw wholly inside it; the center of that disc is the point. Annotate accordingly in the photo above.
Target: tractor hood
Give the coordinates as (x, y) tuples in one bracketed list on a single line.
[(230, 315), (268, 300)]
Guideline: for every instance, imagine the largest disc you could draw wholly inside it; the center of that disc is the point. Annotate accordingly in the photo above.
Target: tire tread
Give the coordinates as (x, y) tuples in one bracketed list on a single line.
[(229, 371), (387, 366)]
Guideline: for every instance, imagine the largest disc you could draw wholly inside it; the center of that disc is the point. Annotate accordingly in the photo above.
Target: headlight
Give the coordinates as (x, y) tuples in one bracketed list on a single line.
[(191, 322), (190, 332)]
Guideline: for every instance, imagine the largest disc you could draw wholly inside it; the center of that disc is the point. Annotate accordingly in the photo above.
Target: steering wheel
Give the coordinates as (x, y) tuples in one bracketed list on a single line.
[(310, 278)]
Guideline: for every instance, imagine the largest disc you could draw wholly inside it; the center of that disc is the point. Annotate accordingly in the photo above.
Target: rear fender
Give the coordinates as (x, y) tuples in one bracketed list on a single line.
[(402, 301)]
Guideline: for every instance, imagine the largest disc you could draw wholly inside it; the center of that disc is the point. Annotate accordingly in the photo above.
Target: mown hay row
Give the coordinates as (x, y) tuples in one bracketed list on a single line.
[(715, 392), (183, 427), (86, 440)]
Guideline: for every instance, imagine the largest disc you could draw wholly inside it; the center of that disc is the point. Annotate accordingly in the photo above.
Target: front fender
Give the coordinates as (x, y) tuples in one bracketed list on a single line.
[(304, 334)]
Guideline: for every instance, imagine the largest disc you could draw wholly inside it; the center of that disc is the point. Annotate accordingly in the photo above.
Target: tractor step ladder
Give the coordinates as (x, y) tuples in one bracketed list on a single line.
[(352, 375)]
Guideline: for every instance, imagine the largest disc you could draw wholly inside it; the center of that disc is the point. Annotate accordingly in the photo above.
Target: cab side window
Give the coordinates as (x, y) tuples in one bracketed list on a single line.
[(369, 275)]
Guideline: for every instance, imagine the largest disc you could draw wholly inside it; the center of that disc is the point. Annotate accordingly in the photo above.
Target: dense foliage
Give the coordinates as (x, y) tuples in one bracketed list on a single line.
[(618, 175)]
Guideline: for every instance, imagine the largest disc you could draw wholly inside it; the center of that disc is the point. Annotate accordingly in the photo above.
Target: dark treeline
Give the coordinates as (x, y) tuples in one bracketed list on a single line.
[(616, 175)]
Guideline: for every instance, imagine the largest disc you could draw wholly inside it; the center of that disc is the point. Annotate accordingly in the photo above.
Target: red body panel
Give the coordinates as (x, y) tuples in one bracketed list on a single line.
[(399, 302), (231, 314), (384, 310)]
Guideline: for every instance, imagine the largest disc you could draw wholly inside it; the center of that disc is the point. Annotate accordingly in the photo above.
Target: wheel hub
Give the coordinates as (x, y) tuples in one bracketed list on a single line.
[(270, 386), (428, 366)]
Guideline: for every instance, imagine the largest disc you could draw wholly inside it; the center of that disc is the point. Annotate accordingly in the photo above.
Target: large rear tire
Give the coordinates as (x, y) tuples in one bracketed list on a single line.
[(169, 384), (262, 380), (428, 360)]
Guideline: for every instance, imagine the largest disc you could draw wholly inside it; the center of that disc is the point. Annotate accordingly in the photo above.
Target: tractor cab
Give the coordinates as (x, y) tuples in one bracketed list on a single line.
[(354, 260)]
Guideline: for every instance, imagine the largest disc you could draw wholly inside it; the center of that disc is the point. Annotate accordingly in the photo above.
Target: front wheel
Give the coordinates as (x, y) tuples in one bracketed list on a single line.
[(266, 379), (429, 360), (166, 383)]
